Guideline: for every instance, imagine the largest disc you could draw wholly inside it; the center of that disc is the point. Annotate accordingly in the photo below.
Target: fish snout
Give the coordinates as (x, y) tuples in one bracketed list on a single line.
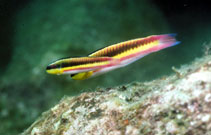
[(53, 69)]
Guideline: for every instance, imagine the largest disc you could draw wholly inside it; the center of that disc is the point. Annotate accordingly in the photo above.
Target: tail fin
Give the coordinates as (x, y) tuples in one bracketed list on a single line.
[(167, 40)]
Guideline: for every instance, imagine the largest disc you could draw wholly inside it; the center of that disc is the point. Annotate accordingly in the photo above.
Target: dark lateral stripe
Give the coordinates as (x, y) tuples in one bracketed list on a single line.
[(54, 66), (82, 61), (114, 50)]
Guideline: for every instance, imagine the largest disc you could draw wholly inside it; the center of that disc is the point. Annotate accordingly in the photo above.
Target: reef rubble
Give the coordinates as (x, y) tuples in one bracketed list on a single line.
[(175, 105)]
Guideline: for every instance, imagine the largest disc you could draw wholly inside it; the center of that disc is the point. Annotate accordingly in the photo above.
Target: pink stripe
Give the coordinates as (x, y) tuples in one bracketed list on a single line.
[(108, 65), (148, 51), (138, 54)]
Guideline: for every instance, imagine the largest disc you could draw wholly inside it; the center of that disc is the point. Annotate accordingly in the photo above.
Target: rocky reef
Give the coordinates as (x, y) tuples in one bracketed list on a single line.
[(174, 105)]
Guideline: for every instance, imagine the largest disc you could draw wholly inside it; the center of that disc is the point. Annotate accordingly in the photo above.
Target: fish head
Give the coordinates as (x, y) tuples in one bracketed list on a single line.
[(55, 68)]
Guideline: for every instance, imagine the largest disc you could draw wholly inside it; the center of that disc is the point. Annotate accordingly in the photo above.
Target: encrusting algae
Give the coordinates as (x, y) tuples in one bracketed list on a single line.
[(171, 105)]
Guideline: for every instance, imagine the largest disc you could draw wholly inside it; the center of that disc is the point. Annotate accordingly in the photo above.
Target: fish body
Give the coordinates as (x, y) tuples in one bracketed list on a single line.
[(129, 51), (81, 64), (111, 57)]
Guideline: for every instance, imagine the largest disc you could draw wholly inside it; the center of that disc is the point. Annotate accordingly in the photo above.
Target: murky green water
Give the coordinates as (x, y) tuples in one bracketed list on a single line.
[(35, 33)]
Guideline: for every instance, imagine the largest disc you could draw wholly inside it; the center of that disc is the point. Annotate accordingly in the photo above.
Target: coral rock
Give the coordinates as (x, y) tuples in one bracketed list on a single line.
[(174, 105)]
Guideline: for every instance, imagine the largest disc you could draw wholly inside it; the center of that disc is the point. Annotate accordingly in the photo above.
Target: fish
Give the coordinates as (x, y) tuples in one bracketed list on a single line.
[(111, 57), (85, 65)]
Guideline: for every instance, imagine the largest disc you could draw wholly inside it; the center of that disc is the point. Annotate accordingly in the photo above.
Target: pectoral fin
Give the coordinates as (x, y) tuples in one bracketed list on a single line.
[(82, 75)]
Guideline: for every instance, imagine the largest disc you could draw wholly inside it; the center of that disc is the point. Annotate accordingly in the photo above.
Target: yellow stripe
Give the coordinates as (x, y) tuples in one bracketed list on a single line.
[(126, 52), (138, 49), (86, 65)]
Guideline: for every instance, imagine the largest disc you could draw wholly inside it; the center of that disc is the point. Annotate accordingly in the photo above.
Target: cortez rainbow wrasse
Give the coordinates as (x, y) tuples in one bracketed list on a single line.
[(111, 57)]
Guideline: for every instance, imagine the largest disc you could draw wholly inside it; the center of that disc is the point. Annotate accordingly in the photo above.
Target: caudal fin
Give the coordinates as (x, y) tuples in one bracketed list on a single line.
[(167, 40)]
